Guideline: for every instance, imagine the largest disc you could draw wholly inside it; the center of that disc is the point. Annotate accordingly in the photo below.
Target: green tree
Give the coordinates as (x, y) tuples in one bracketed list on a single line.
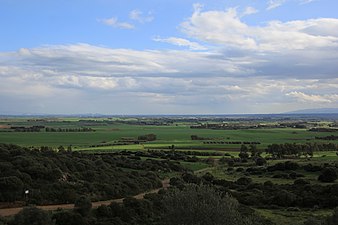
[(333, 220), (10, 188), (32, 216), (69, 148), (243, 152), (243, 148), (69, 218), (83, 205), (200, 205), (328, 175), (61, 148), (3, 221), (260, 161), (254, 151), (313, 221)]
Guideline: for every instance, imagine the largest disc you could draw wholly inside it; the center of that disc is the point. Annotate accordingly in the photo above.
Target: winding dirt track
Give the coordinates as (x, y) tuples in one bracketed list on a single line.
[(13, 211)]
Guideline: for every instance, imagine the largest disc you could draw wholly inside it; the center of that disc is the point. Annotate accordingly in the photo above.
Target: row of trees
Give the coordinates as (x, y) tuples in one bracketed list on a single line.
[(27, 129), (82, 129), (293, 149), (147, 137), (328, 138), (232, 142), (50, 129), (286, 149)]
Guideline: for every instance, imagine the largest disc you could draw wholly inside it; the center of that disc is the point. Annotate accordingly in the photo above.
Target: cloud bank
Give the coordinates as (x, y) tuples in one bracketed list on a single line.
[(239, 68), (114, 22)]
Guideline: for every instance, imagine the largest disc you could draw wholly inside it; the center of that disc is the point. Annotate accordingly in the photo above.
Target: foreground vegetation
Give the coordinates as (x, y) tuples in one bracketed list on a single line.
[(223, 171), (60, 177), (188, 204)]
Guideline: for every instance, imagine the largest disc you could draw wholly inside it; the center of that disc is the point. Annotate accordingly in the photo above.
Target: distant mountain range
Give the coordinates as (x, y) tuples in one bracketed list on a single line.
[(314, 111)]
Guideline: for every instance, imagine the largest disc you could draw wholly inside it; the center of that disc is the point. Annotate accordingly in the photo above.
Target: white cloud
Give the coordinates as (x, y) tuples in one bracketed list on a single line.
[(249, 11), (314, 98), (272, 4), (275, 3), (181, 42), (104, 83), (218, 27), (274, 67), (113, 22), (85, 67), (98, 79), (226, 28), (197, 7), (140, 17)]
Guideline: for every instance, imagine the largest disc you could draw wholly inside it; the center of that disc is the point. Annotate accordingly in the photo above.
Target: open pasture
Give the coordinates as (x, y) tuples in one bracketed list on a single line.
[(108, 132)]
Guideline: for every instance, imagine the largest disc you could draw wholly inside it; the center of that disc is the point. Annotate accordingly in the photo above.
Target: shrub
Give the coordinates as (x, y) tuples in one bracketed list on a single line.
[(83, 205), (312, 221), (244, 181), (69, 218), (281, 175), (268, 183), (328, 174), (333, 220), (197, 205), (260, 161), (32, 216), (301, 182), (239, 169), (231, 163), (284, 198)]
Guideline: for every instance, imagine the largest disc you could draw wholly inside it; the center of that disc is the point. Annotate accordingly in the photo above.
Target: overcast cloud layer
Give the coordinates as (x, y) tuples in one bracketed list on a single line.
[(218, 63)]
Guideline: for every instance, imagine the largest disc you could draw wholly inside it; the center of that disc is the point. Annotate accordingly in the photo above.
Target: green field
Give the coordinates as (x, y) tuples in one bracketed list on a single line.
[(178, 134), (285, 217)]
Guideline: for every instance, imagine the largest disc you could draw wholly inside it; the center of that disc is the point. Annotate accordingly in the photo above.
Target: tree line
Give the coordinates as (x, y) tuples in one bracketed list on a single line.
[(82, 129), (293, 149)]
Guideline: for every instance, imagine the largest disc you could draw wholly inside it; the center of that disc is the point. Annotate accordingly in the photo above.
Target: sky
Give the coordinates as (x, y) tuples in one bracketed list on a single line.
[(167, 56)]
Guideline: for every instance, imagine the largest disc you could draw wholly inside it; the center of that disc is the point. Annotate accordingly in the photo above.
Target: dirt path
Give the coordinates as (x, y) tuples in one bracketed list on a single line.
[(13, 211)]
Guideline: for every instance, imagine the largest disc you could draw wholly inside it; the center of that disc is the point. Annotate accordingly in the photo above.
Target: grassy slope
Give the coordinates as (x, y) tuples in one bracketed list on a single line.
[(284, 217)]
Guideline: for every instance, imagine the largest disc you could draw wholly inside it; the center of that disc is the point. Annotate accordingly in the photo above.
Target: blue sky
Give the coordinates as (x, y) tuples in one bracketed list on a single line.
[(167, 57)]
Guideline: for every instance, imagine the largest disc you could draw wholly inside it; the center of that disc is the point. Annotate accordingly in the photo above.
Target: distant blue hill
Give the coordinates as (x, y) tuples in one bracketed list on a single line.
[(315, 111)]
